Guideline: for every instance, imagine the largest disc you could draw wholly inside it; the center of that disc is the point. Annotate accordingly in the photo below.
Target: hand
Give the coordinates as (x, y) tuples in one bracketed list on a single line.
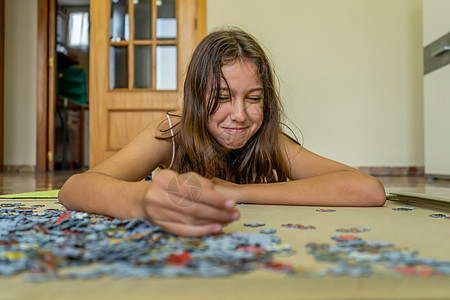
[(187, 204)]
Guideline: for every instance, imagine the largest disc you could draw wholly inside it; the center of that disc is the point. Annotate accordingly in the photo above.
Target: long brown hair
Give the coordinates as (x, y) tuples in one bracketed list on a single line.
[(260, 160)]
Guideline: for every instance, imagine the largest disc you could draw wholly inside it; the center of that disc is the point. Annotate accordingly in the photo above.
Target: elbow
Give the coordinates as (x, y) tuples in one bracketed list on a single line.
[(65, 192), (375, 194), (364, 190), (62, 196)]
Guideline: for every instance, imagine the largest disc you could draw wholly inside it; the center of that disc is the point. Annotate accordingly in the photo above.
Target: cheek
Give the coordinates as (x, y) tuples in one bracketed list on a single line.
[(216, 118), (221, 113), (209, 125), (256, 112)]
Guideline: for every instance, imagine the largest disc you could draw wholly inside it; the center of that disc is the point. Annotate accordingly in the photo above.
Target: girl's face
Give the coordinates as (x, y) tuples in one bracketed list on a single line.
[(239, 115)]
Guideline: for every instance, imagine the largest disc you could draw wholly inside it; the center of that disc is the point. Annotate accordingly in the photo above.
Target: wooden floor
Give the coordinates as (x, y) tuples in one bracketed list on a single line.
[(11, 183), (23, 182)]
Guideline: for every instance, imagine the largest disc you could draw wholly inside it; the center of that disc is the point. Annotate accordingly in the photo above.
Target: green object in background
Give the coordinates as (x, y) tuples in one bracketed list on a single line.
[(72, 84), (52, 194)]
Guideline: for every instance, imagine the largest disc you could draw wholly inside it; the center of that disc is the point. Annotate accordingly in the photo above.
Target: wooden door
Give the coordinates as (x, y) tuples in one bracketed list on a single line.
[(139, 51)]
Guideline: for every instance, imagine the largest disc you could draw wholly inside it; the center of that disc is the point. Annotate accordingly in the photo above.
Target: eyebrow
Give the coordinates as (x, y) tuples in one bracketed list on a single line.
[(249, 91)]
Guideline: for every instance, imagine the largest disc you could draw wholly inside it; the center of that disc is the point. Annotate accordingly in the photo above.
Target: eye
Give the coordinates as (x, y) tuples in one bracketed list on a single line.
[(223, 98), (254, 98)]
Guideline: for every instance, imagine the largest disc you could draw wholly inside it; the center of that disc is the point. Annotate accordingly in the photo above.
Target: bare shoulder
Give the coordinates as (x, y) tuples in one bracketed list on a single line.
[(289, 146), (167, 125)]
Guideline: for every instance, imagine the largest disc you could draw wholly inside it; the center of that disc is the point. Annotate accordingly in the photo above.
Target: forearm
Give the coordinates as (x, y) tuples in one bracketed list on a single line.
[(341, 188), (98, 193)]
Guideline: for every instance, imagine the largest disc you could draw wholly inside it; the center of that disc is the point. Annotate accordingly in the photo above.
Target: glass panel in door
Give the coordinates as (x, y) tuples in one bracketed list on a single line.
[(119, 22), (143, 20), (118, 67), (166, 22), (143, 66), (166, 67)]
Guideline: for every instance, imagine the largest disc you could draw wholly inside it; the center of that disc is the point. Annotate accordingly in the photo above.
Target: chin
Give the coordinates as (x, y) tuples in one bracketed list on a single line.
[(234, 142), (234, 147)]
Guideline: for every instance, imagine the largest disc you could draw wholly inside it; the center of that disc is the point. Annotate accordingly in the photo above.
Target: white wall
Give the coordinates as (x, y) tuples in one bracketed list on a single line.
[(435, 19), (20, 82), (350, 71)]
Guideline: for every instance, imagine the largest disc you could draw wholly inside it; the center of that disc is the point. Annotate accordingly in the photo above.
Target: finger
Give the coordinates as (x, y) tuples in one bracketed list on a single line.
[(216, 199), (176, 217), (193, 213), (190, 230), (190, 188), (203, 190), (205, 212)]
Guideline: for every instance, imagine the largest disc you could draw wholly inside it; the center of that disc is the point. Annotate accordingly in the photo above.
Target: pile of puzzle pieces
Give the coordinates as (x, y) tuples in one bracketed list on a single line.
[(68, 244), (353, 256)]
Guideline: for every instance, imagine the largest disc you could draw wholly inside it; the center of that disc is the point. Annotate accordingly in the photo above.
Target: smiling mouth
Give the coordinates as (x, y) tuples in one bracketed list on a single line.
[(235, 129)]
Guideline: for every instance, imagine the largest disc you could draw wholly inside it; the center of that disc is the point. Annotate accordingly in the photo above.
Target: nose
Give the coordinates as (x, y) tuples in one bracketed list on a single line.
[(238, 111)]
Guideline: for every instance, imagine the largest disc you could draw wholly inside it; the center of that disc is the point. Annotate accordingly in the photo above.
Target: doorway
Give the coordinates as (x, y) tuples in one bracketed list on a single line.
[(71, 117), (55, 105)]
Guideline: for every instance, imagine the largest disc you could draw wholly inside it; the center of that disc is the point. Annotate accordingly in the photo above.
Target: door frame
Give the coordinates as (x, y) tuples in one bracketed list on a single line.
[(42, 86), (45, 85), (2, 77), (200, 23), (46, 78)]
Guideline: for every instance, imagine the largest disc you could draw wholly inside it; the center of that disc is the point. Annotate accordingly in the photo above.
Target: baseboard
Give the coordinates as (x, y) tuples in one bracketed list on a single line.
[(394, 171), (19, 169), (374, 171)]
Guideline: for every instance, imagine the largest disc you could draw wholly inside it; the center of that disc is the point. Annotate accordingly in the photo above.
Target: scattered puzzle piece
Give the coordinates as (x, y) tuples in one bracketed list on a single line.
[(267, 231), (298, 226), (437, 216), (403, 208), (254, 224), (353, 229)]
